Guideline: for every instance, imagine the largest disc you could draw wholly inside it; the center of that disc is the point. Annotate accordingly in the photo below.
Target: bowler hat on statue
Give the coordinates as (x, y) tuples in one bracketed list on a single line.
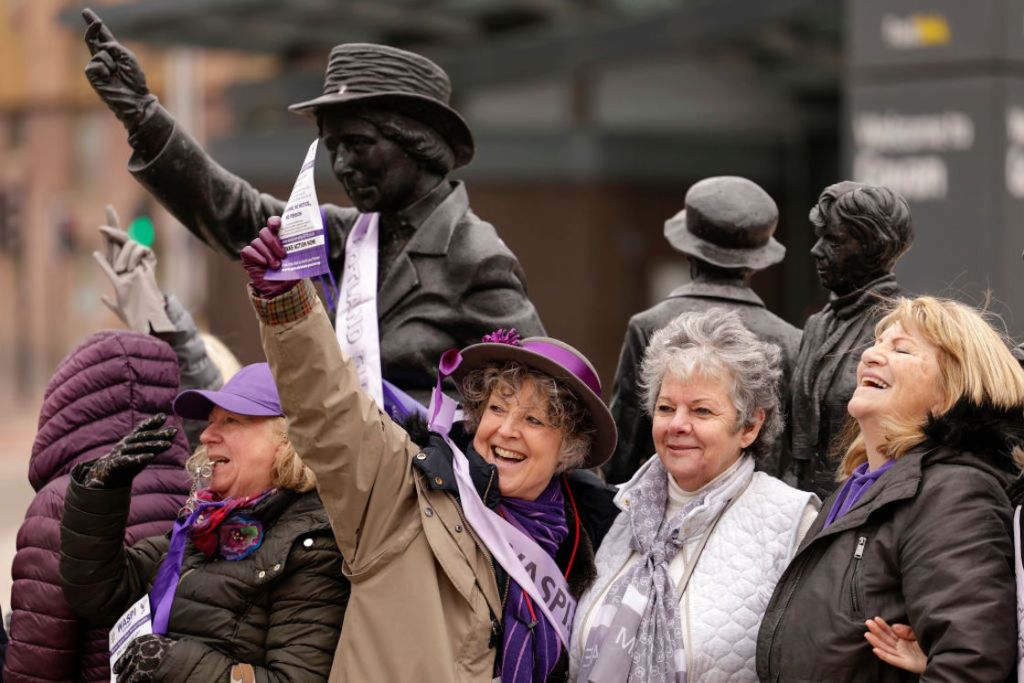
[(390, 78), (727, 221)]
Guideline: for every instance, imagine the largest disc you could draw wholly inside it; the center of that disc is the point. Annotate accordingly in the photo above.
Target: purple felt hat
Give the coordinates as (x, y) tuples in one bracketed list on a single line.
[(562, 362), (250, 392)]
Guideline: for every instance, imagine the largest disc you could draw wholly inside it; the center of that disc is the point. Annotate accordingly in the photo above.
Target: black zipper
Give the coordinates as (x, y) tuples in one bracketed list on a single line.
[(857, 555)]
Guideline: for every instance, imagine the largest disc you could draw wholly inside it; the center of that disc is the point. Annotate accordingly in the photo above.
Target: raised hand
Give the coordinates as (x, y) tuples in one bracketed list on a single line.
[(131, 454), (265, 253), (896, 645), (131, 269), (115, 73)]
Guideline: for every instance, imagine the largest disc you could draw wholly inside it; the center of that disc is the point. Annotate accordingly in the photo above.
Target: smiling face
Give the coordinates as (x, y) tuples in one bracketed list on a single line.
[(899, 376), (514, 434), (241, 450), (695, 429), (377, 174)]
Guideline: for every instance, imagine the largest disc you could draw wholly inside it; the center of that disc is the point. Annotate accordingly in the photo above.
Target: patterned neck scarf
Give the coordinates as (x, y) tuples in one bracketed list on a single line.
[(531, 648), (221, 526), (638, 635)]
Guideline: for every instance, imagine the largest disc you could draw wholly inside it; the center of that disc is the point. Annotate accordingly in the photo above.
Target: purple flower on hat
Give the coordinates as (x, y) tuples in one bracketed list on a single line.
[(503, 336)]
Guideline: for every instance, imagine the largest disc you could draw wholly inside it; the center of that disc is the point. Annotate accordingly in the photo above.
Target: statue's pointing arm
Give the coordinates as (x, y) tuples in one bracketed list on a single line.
[(218, 207)]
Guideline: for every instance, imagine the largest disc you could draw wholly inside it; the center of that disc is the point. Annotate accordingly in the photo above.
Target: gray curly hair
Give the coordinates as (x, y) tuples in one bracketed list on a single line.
[(714, 343)]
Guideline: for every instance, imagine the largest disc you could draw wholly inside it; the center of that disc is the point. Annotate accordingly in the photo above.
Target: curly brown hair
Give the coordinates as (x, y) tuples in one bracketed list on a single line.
[(564, 411)]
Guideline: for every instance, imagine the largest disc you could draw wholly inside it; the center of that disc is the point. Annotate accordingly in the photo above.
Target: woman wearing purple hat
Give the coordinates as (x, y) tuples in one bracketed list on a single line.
[(466, 560), (248, 586)]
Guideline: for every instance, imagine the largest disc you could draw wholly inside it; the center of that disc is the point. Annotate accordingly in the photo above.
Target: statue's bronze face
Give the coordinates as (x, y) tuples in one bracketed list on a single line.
[(843, 264), (377, 174)]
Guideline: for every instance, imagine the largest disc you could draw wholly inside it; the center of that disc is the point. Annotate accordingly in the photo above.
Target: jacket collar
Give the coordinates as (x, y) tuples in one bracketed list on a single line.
[(432, 238), (622, 496), (850, 305), (729, 290), (416, 214), (980, 436), (435, 462)]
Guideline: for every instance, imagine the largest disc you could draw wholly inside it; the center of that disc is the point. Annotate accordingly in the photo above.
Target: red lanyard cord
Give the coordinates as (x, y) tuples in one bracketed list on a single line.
[(572, 556)]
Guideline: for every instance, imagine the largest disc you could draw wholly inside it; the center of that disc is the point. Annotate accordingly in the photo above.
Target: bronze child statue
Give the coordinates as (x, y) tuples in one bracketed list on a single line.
[(445, 278), (725, 230), (862, 231)]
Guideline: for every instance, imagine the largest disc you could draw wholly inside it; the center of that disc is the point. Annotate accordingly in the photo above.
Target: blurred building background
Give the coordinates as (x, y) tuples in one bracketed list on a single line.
[(592, 119)]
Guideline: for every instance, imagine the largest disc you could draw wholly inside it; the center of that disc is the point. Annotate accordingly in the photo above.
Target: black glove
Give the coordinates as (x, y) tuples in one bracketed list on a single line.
[(141, 658), (118, 468), (115, 73)]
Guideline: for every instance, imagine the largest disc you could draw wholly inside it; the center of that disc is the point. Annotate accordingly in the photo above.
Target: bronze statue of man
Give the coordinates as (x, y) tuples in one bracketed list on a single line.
[(445, 278), (725, 230), (862, 231)]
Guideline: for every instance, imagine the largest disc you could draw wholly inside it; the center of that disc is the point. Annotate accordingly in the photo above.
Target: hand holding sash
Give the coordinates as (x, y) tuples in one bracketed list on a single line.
[(265, 253)]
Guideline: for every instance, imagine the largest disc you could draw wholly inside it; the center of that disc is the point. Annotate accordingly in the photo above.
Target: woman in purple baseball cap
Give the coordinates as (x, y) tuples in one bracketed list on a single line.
[(248, 586), (466, 556)]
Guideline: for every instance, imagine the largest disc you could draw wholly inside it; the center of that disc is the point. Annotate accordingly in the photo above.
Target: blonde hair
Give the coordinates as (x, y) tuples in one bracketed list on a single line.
[(221, 356), (288, 472), (974, 363)]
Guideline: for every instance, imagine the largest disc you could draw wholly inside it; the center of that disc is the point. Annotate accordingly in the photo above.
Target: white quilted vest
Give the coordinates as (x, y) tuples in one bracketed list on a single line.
[(734, 579), (730, 586)]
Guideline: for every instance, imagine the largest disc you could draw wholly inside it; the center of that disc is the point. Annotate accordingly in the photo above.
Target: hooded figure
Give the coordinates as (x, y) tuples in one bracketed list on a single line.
[(98, 393)]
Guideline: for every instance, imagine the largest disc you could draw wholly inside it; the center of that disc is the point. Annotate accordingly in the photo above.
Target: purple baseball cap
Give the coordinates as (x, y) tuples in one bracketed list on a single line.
[(250, 392)]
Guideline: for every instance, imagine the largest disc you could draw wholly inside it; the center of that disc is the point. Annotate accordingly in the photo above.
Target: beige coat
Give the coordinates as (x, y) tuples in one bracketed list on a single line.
[(423, 588)]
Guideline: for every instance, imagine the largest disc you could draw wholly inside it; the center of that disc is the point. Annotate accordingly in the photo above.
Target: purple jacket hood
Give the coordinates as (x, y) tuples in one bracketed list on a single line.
[(113, 380)]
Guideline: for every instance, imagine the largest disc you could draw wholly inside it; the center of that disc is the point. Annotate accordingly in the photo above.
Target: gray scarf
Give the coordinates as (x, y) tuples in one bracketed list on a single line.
[(637, 634)]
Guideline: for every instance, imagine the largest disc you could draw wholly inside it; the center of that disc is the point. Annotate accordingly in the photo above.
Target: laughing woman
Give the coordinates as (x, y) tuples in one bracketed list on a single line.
[(919, 533), (248, 587), (438, 593)]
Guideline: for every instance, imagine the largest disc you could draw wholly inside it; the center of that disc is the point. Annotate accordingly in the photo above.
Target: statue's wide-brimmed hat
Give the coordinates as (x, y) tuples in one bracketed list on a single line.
[(727, 221), (562, 362), (390, 78)]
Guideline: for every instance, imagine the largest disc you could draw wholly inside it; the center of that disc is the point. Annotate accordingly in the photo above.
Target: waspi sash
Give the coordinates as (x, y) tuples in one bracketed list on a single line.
[(356, 321), (526, 562)]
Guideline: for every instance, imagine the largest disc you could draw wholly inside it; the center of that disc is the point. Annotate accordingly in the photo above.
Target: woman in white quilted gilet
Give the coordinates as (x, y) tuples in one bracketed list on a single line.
[(687, 569)]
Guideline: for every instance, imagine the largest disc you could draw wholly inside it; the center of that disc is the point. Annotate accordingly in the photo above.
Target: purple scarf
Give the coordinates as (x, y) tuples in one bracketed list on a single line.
[(853, 489), (531, 646)]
